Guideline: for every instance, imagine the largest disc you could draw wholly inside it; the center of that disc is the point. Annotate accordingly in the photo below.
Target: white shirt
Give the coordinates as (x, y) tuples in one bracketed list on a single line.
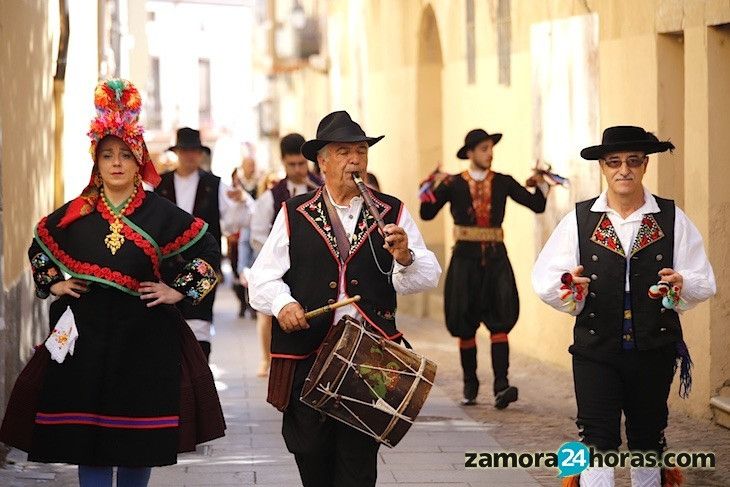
[(561, 254), (264, 214), (234, 215), (269, 294)]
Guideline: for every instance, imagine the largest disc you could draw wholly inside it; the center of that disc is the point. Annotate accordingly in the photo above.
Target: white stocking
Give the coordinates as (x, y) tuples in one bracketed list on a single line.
[(597, 477), (646, 477)]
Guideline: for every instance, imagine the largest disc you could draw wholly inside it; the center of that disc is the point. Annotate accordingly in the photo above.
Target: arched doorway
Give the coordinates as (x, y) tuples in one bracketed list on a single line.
[(429, 138)]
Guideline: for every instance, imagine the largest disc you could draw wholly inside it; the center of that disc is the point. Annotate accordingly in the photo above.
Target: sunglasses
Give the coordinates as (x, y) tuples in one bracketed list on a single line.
[(631, 161)]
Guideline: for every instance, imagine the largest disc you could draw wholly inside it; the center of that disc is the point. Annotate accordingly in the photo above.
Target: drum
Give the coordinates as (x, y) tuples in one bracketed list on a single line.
[(368, 382)]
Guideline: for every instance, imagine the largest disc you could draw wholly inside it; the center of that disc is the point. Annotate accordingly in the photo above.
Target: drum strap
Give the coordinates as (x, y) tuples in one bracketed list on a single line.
[(343, 243)]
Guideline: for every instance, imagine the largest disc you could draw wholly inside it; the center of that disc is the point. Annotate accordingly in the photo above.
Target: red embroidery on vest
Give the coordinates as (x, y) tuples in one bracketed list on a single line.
[(649, 232), (481, 197), (605, 235)]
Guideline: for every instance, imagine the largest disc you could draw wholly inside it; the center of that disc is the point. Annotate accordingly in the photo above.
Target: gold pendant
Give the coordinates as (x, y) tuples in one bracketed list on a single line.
[(115, 239)]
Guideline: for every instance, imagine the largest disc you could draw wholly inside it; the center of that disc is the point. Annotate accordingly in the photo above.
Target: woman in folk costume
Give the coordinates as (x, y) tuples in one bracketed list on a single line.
[(624, 264), (121, 380)]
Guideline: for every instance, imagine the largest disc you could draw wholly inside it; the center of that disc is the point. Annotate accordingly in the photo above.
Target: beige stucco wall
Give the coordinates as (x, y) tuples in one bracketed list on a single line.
[(643, 75), (28, 40), (82, 74)]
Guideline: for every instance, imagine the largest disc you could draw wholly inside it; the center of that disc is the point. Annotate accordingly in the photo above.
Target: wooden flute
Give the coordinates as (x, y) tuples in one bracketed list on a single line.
[(369, 201)]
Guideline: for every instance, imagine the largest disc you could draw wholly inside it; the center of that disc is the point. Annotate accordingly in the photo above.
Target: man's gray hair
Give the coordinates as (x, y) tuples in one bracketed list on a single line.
[(324, 151)]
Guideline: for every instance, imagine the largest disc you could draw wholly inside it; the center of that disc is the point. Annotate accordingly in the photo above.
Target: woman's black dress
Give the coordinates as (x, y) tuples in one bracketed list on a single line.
[(117, 400)]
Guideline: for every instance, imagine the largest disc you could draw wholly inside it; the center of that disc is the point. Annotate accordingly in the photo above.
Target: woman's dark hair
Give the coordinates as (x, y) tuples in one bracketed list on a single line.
[(291, 144)]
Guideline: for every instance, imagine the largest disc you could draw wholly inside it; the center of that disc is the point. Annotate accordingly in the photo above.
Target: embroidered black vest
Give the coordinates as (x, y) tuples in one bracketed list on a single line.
[(280, 192), (598, 327), (205, 208), (315, 271), (206, 199)]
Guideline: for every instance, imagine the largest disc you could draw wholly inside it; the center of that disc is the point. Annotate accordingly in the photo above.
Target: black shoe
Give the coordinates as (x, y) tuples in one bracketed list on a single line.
[(504, 397), (471, 390)]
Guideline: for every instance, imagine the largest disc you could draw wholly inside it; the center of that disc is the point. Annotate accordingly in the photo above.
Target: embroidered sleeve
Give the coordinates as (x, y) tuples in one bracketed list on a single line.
[(191, 256), (45, 272), (196, 280)]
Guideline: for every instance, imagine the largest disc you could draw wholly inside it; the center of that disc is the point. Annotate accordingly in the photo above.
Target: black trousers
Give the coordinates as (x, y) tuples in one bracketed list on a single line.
[(328, 453), (633, 382), (480, 291)]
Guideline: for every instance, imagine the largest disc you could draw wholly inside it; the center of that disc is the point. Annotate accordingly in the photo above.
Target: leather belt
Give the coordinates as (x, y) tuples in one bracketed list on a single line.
[(478, 234)]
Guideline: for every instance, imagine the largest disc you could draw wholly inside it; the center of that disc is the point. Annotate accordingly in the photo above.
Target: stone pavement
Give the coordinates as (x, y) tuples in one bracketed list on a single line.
[(432, 454), (253, 452), (544, 416)]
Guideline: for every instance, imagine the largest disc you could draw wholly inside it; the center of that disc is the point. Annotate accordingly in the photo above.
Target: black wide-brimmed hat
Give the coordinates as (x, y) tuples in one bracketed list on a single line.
[(188, 138), (473, 139), (336, 127), (626, 138)]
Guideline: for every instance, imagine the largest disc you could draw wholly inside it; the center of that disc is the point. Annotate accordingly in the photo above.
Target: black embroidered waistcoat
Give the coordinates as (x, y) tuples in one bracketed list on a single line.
[(206, 199), (316, 270), (598, 328), (280, 193)]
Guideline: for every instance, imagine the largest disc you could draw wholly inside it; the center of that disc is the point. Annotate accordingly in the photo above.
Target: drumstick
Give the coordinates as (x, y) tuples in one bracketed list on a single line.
[(324, 309)]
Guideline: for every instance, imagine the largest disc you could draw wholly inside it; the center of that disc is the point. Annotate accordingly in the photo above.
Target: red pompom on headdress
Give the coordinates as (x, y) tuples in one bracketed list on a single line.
[(118, 104)]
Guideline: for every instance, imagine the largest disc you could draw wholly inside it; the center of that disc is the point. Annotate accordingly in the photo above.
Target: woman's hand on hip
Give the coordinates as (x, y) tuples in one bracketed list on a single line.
[(73, 287), (160, 292)]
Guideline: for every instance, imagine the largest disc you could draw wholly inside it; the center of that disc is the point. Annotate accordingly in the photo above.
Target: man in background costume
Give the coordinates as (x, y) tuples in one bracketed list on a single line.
[(480, 285), (203, 195)]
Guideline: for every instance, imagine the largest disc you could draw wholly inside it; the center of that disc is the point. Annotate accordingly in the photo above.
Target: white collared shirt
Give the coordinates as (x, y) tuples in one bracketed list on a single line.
[(233, 215), (561, 253), (269, 293), (264, 214)]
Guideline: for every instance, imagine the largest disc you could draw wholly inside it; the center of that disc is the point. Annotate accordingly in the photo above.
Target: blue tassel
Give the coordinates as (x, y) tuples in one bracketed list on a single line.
[(685, 369)]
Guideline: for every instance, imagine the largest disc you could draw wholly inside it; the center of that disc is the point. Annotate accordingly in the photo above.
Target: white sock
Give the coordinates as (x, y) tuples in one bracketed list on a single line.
[(597, 477), (646, 477)]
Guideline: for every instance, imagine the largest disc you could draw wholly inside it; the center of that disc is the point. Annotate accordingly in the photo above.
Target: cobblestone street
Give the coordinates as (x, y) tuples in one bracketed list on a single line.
[(432, 454), (544, 416)]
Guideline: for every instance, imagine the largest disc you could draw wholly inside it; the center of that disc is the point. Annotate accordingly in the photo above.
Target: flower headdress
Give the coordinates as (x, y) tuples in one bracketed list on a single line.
[(118, 104)]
